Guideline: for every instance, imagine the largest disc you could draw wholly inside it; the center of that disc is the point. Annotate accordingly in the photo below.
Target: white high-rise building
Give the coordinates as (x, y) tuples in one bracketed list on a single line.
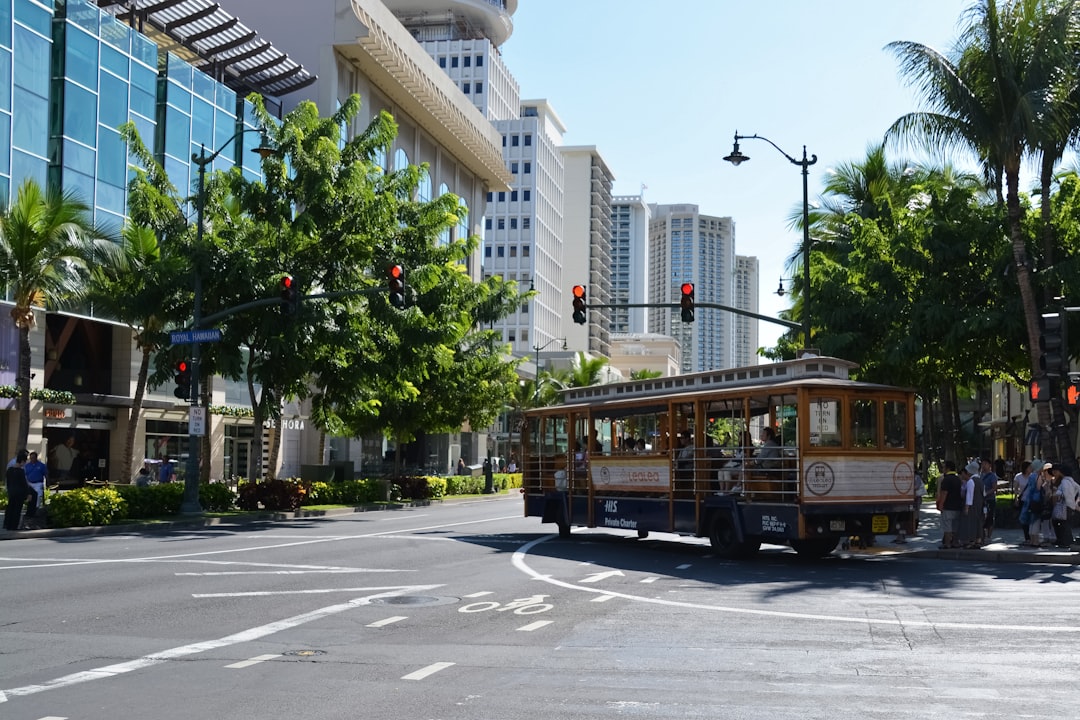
[(686, 246), (746, 289), (629, 262), (587, 244)]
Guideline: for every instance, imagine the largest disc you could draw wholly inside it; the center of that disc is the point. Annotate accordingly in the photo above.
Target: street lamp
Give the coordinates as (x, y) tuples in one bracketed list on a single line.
[(736, 158), (538, 349), (190, 504)]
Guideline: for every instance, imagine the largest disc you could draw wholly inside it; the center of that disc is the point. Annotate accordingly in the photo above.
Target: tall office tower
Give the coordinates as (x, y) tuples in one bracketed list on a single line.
[(629, 260), (686, 246), (524, 227), (746, 298), (587, 243), (464, 38)]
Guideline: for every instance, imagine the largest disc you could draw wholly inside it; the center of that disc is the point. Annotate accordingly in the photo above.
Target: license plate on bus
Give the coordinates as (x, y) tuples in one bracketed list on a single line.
[(837, 525), (879, 524)]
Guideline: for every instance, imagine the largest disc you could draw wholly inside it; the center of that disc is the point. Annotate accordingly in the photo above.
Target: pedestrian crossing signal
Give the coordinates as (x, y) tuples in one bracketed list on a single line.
[(1072, 394), (1039, 390)]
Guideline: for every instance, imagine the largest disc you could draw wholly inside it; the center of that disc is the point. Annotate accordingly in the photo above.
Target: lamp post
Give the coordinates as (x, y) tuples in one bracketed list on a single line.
[(190, 504), (736, 158), (538, 349)]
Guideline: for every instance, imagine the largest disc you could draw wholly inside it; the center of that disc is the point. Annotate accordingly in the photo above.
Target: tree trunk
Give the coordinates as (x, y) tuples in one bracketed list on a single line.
[(258, 418), (23, 380), (134, 418), (948, 433), (959, 445), (1023, 280), (275, 448)]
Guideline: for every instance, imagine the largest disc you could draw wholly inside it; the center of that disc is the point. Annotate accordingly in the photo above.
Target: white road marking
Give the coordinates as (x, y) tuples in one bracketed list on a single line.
[(520, 557), (53, 717), (286, 572), (388, 621), (253, 661), (597, 577), (482, 593), (684, 566), (273, 593), (535, 626), (244, 636), (602, 598), (649, 580), (429, 670)]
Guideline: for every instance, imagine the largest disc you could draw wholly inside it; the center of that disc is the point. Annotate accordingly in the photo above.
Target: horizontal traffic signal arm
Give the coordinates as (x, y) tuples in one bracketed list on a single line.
[(699, 304)]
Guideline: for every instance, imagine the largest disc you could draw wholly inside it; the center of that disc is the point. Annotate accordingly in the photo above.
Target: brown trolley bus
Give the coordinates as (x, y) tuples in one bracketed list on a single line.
[(791, 453)]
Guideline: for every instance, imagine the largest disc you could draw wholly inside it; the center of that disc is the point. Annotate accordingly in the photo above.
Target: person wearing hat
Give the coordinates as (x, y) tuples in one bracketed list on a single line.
[(971, 520)]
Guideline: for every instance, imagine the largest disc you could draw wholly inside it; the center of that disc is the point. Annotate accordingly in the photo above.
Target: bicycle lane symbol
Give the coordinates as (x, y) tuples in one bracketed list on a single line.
[(521, 606)]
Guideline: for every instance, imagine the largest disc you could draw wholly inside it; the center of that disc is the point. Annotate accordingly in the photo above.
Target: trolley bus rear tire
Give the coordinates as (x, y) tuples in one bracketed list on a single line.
[(723, 536), (813, 548), (564, 529)]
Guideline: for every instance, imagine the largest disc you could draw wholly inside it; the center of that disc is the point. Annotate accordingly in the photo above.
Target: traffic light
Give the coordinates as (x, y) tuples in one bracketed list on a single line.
[(1054, 344), (687, 302), (290, 298), (580, 304), (183, 380), (1072, 393), (1039, 389), (395, 285)]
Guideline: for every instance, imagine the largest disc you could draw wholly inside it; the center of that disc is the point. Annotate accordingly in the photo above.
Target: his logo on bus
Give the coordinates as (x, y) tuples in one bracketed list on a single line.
[(903, 478), (820, 478)]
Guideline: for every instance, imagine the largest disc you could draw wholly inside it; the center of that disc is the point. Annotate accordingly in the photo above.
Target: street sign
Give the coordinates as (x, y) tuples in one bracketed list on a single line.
[(186, 337), (197, 421)]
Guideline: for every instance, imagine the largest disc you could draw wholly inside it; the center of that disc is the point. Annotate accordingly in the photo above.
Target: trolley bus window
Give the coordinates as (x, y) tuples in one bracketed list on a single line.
[(825, 422), (895, 423), (864, 423)]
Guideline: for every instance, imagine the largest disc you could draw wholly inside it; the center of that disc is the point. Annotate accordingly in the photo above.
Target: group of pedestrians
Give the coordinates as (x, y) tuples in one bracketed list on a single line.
[(1048, 498), (25, 484), (967, 500)]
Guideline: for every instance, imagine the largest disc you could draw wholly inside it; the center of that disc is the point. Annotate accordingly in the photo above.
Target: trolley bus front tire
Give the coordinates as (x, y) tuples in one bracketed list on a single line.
[(724, 538), (813, 548)]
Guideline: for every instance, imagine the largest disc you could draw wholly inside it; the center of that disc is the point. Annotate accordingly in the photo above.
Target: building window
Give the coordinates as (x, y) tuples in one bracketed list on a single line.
[(487, 250), (504, 141), (513, 195), (442, 62), (479, 88), (528, 168), (501, 251), (514, 140), (526, 195), (453, 62), (466, 88), (525, 248), (526, 223), (467, 60), (514, 168), (502, 223), (513, 226), (487, 224), (479, 61), (491, 196), (513, 248), (528, 139), (502, 196)]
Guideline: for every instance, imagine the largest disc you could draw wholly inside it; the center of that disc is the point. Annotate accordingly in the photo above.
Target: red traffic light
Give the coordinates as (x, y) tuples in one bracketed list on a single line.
[(579, 291), (396, 271), (580, 304), (287, 282), (181, 366), (687, 302), (688, 289), (395, 285)]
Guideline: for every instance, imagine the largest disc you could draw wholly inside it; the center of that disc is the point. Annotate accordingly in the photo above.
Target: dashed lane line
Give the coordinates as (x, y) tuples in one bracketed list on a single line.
[(535, 625), (387, 621), (429, 670), (253, 661)]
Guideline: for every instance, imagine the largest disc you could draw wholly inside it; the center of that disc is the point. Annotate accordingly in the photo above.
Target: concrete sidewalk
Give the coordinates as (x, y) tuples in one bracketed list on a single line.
[(1004, 546)]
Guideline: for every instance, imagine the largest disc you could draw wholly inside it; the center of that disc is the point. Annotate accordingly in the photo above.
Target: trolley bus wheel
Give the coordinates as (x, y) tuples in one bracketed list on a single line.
[(725, 539), (814, 547), (564, 529), (642, 534)]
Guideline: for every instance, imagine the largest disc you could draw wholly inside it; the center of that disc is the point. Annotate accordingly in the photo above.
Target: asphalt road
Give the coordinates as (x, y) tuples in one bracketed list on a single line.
[(468, 610)]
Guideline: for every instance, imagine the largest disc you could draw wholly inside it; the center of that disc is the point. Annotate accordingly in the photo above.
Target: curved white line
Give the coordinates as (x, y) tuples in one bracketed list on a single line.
[(519, 561)]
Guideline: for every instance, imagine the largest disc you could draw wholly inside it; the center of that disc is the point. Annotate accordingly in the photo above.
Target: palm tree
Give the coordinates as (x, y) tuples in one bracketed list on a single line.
[(132, 282), (586, 371), (45, 241), (999, 96)]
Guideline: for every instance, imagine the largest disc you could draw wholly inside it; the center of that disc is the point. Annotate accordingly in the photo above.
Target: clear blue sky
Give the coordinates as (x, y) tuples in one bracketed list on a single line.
[(661, 88)]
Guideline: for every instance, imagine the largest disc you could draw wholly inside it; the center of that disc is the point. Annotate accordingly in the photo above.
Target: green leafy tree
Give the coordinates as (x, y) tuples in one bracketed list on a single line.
[(45, 241), (998, 94)]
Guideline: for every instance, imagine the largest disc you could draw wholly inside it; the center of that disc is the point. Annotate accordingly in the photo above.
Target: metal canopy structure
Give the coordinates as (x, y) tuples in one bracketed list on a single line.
[(215, 42)]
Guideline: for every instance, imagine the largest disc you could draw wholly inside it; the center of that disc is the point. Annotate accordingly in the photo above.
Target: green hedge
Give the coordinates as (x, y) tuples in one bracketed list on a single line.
[(119, 503)]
